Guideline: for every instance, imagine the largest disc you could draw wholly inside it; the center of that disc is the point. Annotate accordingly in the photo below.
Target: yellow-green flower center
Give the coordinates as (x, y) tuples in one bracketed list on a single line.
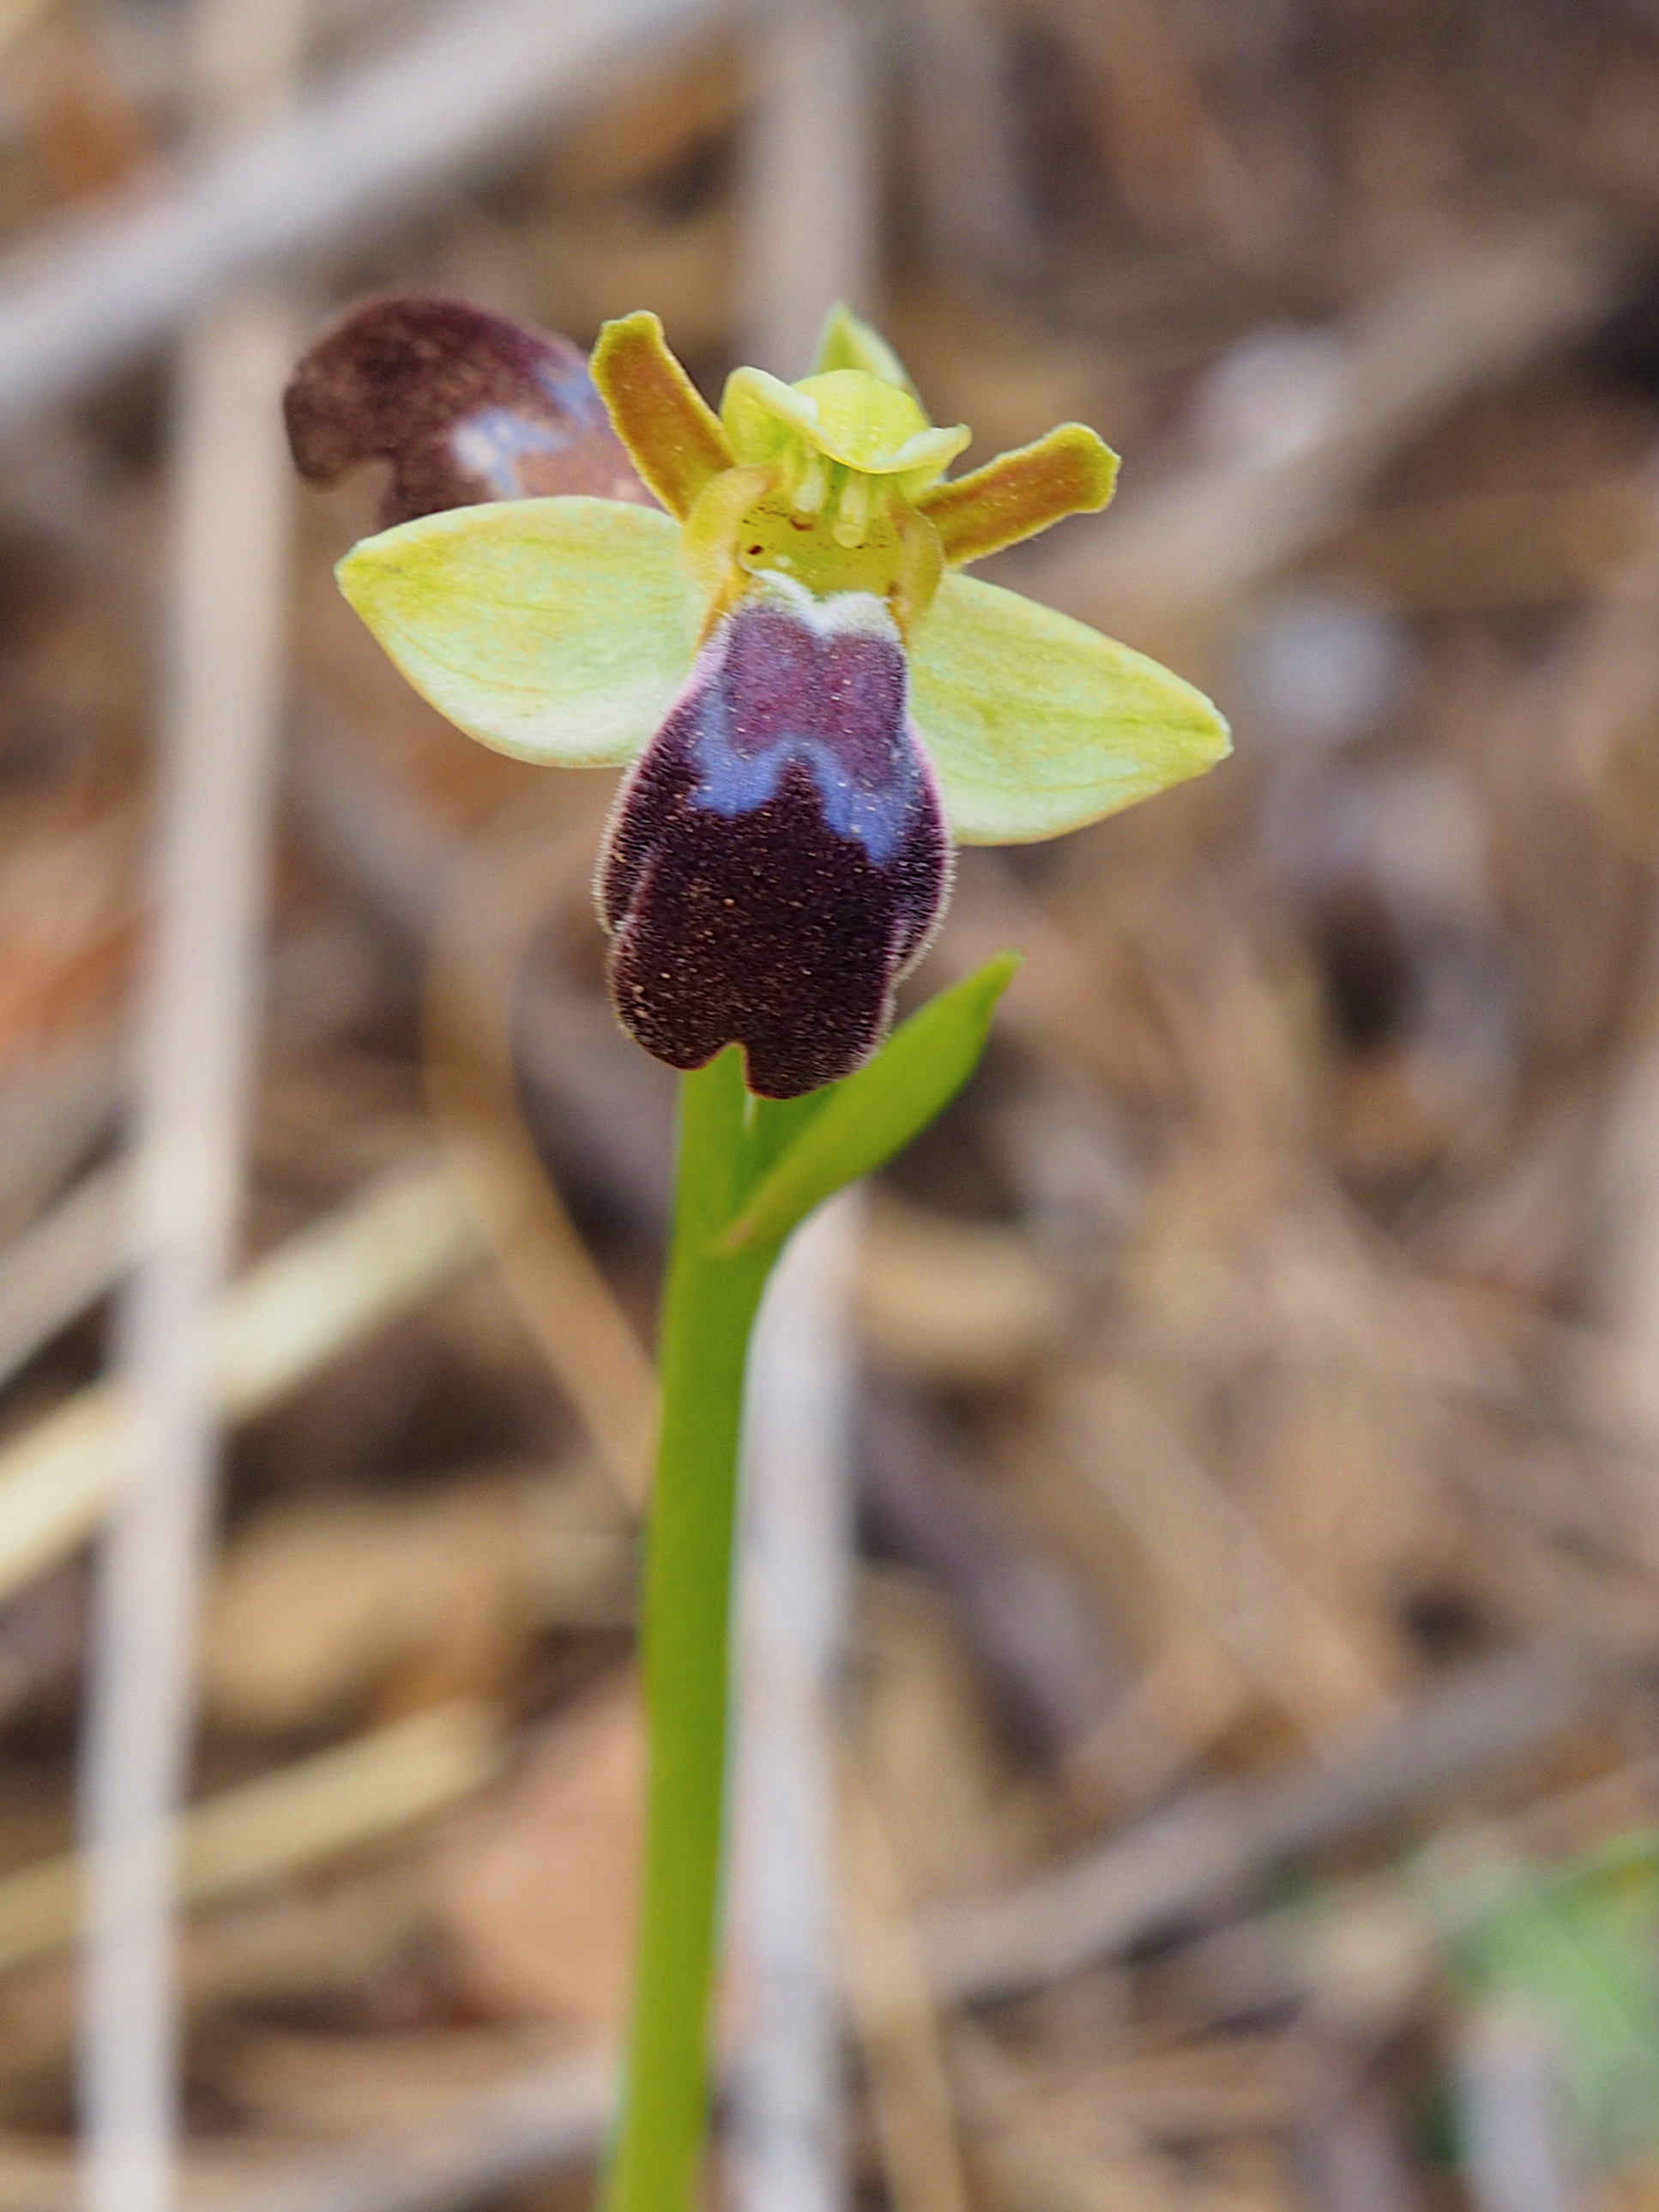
[(844, 453), (859, 551)]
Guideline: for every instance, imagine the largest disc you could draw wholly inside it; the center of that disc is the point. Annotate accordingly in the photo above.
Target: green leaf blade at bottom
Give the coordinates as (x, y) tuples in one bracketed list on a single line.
[(868, 1118)]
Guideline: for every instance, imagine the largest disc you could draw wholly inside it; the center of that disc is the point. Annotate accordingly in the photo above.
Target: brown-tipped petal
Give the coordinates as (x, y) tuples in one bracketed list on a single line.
[(467, 406), (672, 432), (1070, 471)]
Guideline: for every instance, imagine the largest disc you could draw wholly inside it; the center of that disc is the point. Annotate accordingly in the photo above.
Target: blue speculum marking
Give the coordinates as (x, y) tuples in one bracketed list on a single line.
[(834, 700), (778, 857), (571, 389), (491, 443)]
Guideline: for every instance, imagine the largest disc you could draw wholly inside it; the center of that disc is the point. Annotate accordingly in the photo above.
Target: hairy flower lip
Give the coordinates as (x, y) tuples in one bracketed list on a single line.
[(778, 857)]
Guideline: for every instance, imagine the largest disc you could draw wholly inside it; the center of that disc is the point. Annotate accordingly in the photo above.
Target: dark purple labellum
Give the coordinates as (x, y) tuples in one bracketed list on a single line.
[(778, 857), (466, 405)]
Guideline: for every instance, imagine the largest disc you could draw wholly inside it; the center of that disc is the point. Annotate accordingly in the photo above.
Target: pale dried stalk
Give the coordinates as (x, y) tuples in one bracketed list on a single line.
[(336, 1800), (302, 1306), (79, 303), (974, 210), (307, 1303), (539, 2122), (231, 588), (911, 2107), (810, 178), (228, 607), (787, 2090), (1512, 2118), (56, 1268)]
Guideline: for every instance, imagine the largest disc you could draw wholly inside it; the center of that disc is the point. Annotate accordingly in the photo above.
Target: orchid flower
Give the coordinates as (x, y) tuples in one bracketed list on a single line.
[(812, 704)]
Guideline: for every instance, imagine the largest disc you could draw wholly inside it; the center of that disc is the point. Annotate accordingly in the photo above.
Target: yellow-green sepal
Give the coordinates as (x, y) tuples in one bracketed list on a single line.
[(846, 342), (1037, 725), (558, 630)]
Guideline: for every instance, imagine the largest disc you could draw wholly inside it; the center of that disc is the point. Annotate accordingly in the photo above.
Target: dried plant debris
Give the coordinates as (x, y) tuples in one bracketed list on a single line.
[(1249, 1742)]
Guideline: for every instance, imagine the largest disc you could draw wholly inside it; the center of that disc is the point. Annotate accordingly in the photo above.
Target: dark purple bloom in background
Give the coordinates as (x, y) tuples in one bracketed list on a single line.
[(778, 856)]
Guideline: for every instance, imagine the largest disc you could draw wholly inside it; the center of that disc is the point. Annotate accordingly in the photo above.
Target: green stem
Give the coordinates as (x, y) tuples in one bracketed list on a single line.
[(709, 1309)]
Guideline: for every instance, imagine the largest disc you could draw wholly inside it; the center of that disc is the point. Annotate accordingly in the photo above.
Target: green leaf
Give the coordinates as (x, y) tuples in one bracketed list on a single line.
[(865, 1119), (1579, 1949), (773, 1125)]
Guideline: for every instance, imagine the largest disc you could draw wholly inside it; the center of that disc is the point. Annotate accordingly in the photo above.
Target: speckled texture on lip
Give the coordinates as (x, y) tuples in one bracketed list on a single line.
[(778, 857)]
